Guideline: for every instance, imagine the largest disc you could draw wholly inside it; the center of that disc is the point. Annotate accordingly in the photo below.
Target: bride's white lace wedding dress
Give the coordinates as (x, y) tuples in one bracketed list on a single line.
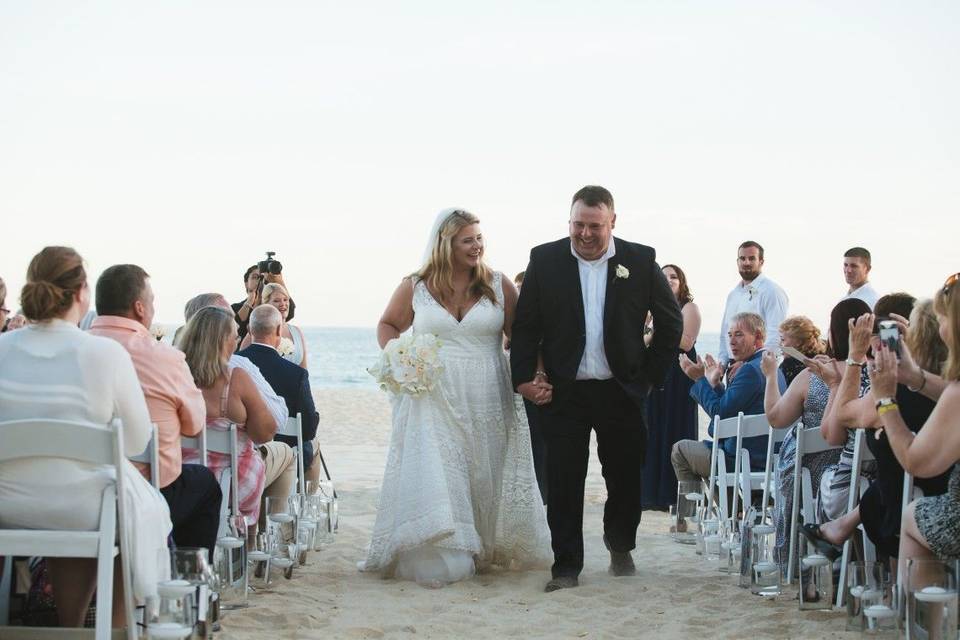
[(459, 489)]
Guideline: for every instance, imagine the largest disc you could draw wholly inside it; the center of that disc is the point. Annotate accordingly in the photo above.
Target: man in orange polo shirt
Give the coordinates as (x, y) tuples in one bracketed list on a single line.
[(125, 311)]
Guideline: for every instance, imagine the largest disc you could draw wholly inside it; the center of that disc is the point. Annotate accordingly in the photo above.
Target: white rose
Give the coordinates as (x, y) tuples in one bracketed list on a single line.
[(622, 272), (285, 348)]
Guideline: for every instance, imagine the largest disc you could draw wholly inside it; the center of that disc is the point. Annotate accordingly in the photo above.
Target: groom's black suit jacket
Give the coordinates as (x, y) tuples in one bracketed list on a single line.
[(550, 319)]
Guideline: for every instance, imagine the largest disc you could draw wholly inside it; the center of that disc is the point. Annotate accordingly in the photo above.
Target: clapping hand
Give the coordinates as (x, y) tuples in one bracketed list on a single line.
[(883, 373), (826, 368), (861, 329), (693, 370), (713, 371)]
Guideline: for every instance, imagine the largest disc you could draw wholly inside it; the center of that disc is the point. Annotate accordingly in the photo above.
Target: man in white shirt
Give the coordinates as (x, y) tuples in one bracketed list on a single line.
[(755, 293), (856, 270)]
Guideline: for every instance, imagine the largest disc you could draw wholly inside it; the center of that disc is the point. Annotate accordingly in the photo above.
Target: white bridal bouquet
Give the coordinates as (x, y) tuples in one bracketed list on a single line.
[(409, 364)]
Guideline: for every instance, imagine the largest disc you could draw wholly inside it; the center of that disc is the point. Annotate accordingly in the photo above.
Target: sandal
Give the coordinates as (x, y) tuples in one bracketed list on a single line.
[(812, 533)]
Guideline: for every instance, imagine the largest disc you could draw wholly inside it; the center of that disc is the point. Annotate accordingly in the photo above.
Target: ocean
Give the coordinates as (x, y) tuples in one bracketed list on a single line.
[(338, 356)]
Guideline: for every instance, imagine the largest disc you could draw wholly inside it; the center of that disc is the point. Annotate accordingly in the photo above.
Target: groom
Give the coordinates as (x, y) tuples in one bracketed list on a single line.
[(582, 309)]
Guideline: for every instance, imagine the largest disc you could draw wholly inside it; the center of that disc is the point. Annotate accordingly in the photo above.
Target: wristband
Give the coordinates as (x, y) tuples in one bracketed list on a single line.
[(923, 382), (887, 408)]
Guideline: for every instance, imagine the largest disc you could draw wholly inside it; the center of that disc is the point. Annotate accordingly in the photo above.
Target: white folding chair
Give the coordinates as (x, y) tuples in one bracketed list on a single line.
[(293, 427), (861, 453), (749, 481), (809, 441), (225, 442), (151, 456), (719, 479), (89, 443)]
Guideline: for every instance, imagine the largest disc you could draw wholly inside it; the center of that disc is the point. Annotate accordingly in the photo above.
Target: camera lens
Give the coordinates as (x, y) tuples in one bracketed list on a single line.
[(275, 267)]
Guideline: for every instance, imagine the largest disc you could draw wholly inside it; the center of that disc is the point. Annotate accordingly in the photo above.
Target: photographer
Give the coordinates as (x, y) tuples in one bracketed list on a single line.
[(264, 272)]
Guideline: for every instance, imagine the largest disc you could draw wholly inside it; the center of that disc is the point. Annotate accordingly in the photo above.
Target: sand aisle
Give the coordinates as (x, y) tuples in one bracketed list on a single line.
[(674, 595)]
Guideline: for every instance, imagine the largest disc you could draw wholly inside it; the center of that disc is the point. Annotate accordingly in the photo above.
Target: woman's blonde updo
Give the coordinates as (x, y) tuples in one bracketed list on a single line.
[(807, 335), (54, 278)]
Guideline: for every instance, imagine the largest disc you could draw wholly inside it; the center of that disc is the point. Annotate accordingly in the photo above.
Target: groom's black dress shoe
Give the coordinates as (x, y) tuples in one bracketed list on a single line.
[(621, 562), (562, 582)]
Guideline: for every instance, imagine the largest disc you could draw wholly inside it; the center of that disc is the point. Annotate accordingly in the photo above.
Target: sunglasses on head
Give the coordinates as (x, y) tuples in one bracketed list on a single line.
[(948, 285)]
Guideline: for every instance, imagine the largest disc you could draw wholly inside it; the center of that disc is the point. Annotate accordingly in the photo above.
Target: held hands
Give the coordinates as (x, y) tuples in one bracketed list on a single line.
[(768, 363), (861, 329), (693, 370), (538, 391), (883, 373)]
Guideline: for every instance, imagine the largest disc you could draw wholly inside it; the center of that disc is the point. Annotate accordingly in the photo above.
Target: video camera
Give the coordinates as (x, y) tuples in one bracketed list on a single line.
[(269, 265)]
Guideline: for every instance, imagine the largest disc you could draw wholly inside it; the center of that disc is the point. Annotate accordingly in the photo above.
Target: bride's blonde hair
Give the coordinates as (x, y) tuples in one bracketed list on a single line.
[(437, 272)]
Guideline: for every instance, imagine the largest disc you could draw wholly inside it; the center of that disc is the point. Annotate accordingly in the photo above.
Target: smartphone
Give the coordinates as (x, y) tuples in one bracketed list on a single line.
[(890, 335)]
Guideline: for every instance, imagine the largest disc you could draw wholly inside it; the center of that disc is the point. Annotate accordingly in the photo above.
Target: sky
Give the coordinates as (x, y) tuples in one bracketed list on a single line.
[(190, 137)]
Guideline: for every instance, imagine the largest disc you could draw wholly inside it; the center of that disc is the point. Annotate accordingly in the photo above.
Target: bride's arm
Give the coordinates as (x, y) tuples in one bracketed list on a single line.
[(398, 316), (510, 296)]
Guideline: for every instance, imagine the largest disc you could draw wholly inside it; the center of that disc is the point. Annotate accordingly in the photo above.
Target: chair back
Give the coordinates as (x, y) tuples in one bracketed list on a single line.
[(861, 453), (225, 442), (151, 456), (80, 441), (725, 428), (293, 427), (808, 441), (198, 442), (83, 442)]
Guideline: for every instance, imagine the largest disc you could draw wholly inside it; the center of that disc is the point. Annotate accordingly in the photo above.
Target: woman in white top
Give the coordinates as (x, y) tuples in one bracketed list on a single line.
[(275, 295), (53, 370)]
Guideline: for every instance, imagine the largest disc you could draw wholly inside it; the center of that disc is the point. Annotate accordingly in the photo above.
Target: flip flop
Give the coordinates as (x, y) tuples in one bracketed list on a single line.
[(812, 533)]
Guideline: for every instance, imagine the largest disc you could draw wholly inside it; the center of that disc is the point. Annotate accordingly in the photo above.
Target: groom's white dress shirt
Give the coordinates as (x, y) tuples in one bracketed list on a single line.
[(763, 297), (593, 286)]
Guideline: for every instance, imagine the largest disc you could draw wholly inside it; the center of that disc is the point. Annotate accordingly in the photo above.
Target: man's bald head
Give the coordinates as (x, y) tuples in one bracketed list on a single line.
[(264, 326)]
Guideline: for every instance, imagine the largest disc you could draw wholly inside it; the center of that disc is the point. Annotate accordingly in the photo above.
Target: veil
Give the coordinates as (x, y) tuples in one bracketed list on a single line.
[(435, 232)]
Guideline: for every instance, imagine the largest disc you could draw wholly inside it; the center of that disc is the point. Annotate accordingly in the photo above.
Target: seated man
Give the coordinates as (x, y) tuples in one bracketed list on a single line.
[(290, 381), (744, 392), (124, 300)]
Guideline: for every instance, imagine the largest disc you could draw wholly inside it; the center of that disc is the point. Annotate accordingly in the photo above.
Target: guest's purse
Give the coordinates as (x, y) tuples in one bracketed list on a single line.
[(409, 365)]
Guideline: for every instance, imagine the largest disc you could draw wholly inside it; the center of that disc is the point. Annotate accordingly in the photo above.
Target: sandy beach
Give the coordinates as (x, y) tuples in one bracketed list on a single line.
[(674, 594)]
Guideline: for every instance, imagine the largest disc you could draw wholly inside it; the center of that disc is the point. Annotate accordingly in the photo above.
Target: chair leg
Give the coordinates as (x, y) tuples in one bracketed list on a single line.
[(6, 578)]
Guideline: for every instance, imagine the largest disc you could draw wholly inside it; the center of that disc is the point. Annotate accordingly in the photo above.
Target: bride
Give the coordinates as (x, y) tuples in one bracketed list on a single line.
[(459, 491)]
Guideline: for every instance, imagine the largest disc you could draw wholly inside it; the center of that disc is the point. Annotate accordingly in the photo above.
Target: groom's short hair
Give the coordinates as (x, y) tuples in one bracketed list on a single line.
[(593, 196)]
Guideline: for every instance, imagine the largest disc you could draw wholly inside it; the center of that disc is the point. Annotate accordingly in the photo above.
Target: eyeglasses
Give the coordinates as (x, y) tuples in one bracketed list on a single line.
[(948, 285)]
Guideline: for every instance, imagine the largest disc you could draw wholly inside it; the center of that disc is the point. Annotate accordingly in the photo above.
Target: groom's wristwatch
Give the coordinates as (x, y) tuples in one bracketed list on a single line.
[(539, 374)]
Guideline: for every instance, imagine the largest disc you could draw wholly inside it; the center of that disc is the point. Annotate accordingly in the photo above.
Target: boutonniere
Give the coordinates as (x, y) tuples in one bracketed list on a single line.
[(622, 272)]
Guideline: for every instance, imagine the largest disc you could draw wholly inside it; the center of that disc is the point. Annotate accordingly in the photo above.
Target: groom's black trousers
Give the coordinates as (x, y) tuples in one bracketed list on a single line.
[(601, 405)]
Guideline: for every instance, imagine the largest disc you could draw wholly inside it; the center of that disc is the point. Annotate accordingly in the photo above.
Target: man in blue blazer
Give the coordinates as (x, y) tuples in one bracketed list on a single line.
[(290, 381), (744, 392)]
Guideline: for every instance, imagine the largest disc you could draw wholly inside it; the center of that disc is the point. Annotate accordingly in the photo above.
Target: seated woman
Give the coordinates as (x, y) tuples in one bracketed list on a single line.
[(880, 507), (52, 370), (806, 398), (275, 295), (208, 340), (834, 490), (931, 525)]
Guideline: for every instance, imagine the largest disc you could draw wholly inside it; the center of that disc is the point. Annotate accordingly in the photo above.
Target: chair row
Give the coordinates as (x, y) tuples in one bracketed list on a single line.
[(745, 481)]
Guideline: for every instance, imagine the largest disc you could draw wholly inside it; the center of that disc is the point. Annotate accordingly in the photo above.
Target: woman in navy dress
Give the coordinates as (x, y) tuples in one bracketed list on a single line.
[(671, 412)]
